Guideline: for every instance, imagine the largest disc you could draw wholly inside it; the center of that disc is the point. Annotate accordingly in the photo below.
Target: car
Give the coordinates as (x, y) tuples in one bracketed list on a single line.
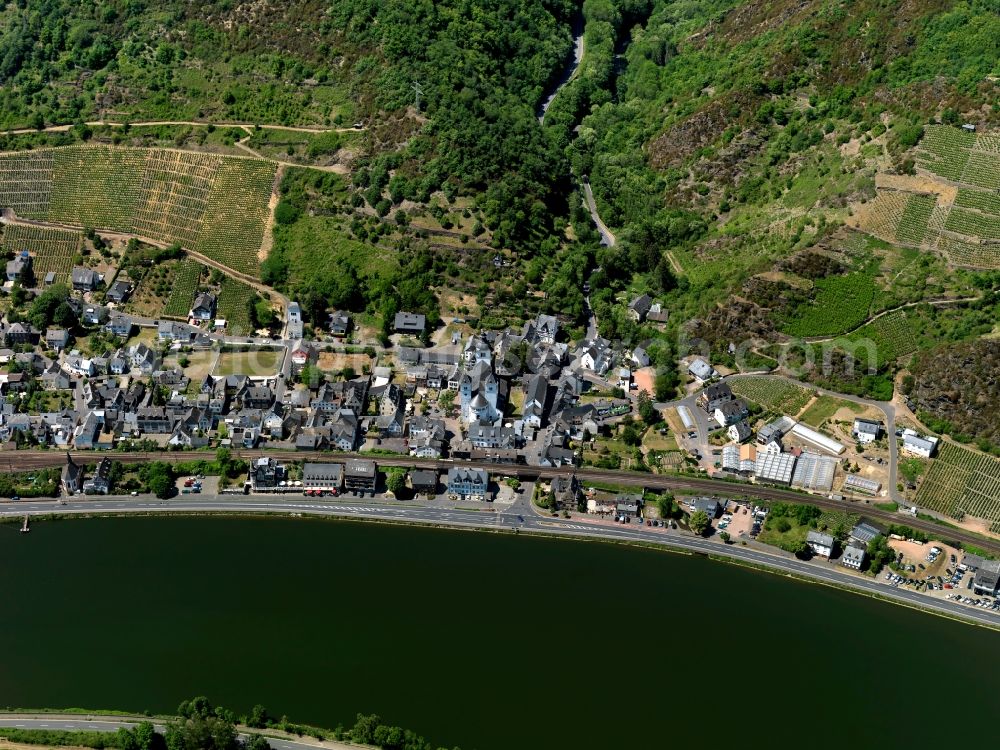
[(649, 523), (921, 566), (952, 559), (133, 493), (521, 519), (15, 498)]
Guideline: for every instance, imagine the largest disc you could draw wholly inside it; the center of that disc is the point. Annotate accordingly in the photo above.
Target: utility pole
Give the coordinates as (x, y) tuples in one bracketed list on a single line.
[(418, 91)]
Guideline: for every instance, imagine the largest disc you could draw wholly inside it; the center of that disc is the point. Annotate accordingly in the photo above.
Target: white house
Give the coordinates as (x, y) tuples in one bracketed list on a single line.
[(866, 430), (294, 320), (821, 544), (702, 371), (919, 445)]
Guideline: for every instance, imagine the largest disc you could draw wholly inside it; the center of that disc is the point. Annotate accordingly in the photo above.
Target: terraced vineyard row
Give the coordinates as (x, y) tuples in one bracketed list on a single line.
[(913, 222), (892, 334), (880, 217), (945, 150), (185, 284), (217, 205), (26, 182), (772, 393), (235, 299), (962, 482), (52, 250), (973, 224), (972, 255)]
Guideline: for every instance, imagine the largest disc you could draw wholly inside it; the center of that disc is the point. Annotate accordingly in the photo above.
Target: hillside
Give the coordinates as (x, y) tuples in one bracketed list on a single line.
[(790, 179)]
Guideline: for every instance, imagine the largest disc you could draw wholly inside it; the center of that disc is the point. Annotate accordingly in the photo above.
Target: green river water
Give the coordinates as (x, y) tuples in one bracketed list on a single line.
[(472, 639)]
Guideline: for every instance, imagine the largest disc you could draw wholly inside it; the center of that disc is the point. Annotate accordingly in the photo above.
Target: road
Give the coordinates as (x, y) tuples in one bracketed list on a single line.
[(81, 723), (607, 237), (27, 460), (572, 67), (520, 516)]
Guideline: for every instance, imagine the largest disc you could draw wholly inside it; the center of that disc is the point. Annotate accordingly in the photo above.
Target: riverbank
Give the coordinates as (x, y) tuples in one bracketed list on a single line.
[(543, 527)]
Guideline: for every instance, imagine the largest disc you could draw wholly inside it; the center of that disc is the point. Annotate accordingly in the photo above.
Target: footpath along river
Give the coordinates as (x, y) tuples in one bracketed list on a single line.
[(485, 641)]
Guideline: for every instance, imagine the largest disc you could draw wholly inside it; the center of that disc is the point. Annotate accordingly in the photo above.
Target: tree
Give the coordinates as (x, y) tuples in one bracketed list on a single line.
[(647, 411), (665, 505), (395, 481), (258, 717), (700, 522), (161, 486), (363, 731), (724, 536), (256, 742), (631, 436)]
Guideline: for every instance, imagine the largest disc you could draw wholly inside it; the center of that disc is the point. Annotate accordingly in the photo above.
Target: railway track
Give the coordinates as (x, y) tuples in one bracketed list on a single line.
[(33, 460)]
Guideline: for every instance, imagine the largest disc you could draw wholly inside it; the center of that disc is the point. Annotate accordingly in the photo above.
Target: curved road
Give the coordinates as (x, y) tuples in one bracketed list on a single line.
[(607, 236), (518, 517)]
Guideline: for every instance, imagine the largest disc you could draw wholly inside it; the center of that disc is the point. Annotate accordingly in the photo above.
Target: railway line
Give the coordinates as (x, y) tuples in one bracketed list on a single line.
[(33, 460)]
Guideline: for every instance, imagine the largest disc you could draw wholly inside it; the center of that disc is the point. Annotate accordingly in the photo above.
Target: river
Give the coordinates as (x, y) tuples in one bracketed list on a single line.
[(473, 639)]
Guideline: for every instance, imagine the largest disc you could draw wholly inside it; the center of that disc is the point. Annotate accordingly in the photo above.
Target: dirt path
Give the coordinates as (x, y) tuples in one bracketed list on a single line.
[(268, 242), (674, 264), (192, 123)]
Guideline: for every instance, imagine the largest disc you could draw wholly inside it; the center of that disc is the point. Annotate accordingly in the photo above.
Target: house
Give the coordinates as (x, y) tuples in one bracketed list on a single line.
[(536, 398), (468, 483), (853, 557), (595, 355), (203, 307), (19, 333), (94, 315), (490, 436), (55, 378), (302, 356), (714, 396), (392, 412), (640, 358), (627, 506), (56, 338), (565, 492), (142, 358), (600, 506), (100, 483), (624, 378), (407, 322), (731, 411), (258, 397), (265, 474), (152, 420), (774, 431), (294, 315), (120, 325), (78, 365), (657, 314), (20, 268), (919, 445), (709, 505), (987, 578), (863, 533), (340, 323), (424, 481), (739, 431), (820, 544), (360, 476), (544, 329), (72, 476), (702, 371), (866, 430), (323, 476), (50, 278), (639, 308), (119, 292), (85, 279)]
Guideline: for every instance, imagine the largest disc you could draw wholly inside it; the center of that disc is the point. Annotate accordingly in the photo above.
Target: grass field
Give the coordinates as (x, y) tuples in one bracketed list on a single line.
[(962, 482), (772, 393), (258, 362), (216, 205), (825, 407), (51, 249)]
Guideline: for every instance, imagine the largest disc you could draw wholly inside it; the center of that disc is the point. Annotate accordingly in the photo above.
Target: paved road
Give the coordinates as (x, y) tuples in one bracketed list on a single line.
[(607, 237), (517, 516), (113, 723), (572, 67)]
